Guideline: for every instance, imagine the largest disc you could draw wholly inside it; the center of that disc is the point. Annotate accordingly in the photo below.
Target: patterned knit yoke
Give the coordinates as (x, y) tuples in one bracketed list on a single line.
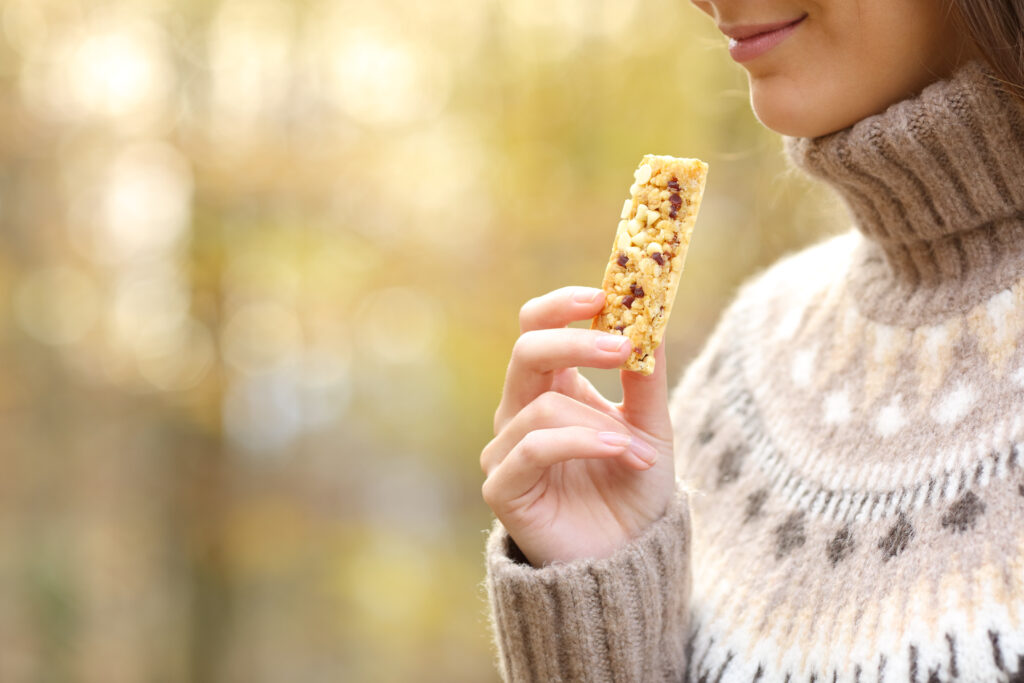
[(850, 443)]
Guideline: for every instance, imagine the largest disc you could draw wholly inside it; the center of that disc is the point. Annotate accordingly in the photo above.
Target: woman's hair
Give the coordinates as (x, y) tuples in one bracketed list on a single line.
[(997, 29)]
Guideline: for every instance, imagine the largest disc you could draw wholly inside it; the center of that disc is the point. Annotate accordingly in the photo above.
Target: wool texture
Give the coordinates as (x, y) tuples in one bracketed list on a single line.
[(849, 444)]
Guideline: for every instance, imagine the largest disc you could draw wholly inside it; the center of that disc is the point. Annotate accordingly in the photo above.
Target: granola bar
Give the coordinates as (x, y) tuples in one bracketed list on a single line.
[(648, 254)]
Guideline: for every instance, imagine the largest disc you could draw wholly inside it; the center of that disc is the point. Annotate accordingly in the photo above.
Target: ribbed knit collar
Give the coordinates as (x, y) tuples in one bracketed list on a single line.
[(936, 184)]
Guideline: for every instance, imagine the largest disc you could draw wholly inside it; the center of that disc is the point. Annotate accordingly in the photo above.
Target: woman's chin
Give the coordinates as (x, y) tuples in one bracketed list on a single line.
[(811, 107), (794, 115)]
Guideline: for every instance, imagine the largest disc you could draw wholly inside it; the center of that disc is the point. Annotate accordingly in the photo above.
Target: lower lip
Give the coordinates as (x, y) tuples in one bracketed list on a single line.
[(750, 48)]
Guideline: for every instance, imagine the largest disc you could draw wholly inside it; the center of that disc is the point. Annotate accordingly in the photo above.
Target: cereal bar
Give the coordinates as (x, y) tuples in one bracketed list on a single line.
[(647, 258)]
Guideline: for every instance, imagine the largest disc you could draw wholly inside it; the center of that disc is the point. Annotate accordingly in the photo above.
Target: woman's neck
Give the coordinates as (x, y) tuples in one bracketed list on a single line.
[(936, 185)]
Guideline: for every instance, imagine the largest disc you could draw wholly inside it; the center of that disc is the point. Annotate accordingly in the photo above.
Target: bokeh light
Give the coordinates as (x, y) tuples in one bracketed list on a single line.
[(112, 67), (117, 70), (250, 53), (146, 203), (263, 413), (380, 81)]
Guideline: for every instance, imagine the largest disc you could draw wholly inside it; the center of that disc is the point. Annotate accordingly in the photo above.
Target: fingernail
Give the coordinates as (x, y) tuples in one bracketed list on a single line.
[(644, 451), (611, 342), (588, 296), (614, 438)]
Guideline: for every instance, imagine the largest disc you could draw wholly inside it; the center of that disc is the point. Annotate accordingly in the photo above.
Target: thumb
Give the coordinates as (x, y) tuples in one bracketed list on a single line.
[(645, 399)]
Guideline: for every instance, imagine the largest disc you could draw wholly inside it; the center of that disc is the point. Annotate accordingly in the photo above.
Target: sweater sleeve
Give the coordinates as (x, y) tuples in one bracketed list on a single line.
[(622, 618)]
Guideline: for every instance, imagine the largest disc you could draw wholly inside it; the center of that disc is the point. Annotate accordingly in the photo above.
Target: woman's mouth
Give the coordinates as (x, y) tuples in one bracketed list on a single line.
[(751, 41)]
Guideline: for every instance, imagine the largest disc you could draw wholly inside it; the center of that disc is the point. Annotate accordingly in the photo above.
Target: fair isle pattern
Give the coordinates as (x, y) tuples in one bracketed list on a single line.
[(824, 457), (850, 445), (837, 362), (737, 636), (848, 524), (836, 502)]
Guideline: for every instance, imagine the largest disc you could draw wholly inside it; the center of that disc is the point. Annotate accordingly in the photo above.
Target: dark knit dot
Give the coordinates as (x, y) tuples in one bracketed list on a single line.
[(997, 654), (898, 538), (1020, 489), (729, 465), (690, 647), (954, 670), (790, 535), (963, 513), (755, 503), (1018, 677), (840, 547)]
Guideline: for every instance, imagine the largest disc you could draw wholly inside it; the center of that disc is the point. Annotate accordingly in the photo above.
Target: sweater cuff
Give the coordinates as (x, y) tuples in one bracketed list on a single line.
[(622, 618)]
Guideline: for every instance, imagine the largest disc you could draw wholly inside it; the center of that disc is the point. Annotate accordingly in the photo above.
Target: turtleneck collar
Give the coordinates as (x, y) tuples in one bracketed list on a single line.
[(936, 185)]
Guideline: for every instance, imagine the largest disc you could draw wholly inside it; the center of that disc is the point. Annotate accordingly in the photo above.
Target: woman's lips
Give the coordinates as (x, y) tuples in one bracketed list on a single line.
[(748, 42)]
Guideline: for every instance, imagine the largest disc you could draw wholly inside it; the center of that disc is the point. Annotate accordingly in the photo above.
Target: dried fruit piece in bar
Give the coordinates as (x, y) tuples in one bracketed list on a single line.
[(647, 258)]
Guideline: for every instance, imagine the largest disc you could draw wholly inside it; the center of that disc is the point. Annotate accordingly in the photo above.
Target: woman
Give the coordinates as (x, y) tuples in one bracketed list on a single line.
[(849, 446)]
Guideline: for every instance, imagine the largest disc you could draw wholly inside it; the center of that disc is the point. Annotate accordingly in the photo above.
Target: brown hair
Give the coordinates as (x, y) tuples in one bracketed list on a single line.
[(996, 27)]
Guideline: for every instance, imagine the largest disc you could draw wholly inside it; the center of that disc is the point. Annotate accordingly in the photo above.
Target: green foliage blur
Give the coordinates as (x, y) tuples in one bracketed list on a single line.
[(261, 263)]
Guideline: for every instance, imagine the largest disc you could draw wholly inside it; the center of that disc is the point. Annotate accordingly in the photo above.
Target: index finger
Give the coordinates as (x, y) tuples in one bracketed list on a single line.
[(560, 307)]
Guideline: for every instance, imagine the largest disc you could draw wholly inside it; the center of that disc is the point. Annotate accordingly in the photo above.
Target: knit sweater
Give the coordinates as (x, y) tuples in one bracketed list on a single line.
[(849, 444)]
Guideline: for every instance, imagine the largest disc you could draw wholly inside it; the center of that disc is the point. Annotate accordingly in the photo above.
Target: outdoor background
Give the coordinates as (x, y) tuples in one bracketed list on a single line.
[(260, 269)]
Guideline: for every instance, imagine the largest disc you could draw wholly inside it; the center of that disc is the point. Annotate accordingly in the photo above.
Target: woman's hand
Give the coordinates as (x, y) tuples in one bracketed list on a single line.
[(570, 474)]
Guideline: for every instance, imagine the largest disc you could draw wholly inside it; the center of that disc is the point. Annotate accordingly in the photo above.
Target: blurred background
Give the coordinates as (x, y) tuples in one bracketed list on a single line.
[(260, 266)]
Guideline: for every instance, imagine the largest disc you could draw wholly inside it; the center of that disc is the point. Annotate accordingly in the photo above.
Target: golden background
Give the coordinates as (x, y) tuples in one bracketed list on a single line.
[(261, 263)]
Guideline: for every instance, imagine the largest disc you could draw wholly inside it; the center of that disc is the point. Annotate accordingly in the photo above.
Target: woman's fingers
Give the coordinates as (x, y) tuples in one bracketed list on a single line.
[(560, 307), (550, 410), (518, 475), (546, 346), (539, 353)]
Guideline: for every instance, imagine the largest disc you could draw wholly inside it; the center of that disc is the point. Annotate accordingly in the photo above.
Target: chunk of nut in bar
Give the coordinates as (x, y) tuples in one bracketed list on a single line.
[(647, 258)]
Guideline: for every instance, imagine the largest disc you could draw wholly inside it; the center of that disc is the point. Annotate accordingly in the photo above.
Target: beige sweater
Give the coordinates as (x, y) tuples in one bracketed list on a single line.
[(850, 444)]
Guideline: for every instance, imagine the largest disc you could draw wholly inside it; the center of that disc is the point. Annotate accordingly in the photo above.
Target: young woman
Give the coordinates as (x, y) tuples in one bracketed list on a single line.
[(835, 489)]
